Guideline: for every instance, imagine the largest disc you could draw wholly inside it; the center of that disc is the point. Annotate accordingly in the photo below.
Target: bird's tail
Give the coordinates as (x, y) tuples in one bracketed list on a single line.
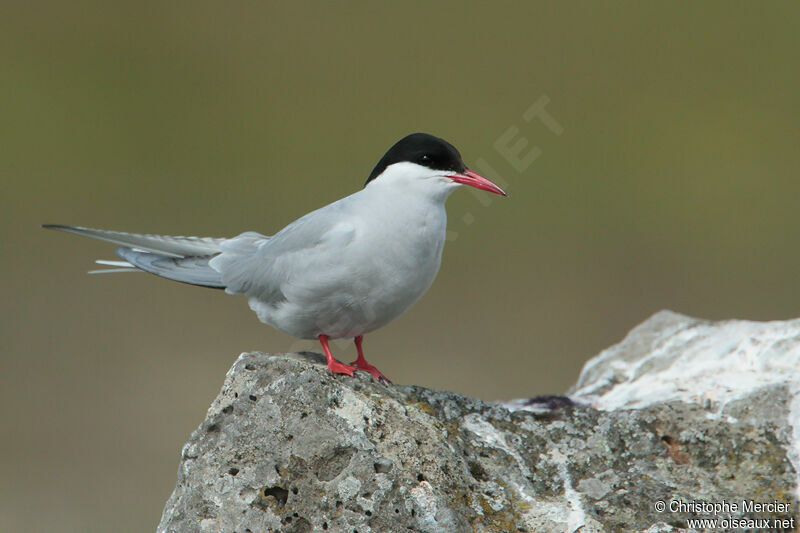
[(183, 259)]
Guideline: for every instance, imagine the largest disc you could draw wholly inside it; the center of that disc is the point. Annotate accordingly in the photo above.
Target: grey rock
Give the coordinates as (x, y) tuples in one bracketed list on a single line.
[(681, 409)]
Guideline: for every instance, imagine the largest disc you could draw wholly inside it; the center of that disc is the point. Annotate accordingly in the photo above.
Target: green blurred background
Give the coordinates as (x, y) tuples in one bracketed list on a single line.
[(673, 185)]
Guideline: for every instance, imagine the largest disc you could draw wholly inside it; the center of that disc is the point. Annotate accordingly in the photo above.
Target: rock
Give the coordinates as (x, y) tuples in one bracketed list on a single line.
[(681, 410)]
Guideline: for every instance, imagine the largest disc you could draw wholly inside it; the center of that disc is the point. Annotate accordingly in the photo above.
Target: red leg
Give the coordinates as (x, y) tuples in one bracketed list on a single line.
[(334, 366), (362, 364)]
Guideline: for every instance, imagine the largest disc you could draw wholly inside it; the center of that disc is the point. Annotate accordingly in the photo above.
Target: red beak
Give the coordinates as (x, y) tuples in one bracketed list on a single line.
[(473, 179)]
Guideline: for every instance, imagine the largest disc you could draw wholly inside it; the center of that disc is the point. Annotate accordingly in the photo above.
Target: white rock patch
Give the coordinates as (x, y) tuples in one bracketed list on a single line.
[(674, 357)]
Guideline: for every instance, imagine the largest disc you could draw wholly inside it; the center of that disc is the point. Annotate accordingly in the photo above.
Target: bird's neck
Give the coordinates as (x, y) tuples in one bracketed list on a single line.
[(408, 207), (425, 194)]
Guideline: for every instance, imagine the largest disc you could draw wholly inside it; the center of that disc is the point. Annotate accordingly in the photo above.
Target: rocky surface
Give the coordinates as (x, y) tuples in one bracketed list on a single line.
[(681, 410)]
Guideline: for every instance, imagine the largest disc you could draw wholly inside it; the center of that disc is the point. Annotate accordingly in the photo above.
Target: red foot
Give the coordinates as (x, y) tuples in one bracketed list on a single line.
[(361, 362), (334, 366)]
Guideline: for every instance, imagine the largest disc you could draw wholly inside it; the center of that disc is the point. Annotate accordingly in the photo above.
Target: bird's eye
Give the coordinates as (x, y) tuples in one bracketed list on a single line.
[(424, 159)]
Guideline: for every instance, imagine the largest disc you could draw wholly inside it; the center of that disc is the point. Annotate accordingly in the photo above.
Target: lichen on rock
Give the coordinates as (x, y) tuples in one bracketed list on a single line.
[(288, 447)]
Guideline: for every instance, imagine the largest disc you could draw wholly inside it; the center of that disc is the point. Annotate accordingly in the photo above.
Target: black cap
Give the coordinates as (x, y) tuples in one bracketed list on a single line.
[(422, 149)]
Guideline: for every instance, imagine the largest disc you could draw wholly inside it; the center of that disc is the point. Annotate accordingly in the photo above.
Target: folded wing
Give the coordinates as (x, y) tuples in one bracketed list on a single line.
[(178, 258)]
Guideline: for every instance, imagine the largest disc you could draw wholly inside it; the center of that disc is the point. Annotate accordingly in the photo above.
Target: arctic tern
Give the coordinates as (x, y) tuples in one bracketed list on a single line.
[(341, 271)]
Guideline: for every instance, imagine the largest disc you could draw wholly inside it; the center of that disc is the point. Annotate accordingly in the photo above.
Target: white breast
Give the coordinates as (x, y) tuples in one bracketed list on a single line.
[(355, 265)]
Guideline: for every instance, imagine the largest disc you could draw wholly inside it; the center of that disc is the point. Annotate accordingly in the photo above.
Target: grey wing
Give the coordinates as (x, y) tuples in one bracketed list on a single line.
[(239, 264), (165, 245), (192, 269), (266, 267), (183, 259)]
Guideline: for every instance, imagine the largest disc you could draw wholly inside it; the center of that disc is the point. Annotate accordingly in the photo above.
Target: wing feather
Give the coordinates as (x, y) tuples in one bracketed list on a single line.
[(174, 246)]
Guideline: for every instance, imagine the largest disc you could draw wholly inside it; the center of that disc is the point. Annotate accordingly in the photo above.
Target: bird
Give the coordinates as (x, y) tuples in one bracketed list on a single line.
[(341, 271)]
